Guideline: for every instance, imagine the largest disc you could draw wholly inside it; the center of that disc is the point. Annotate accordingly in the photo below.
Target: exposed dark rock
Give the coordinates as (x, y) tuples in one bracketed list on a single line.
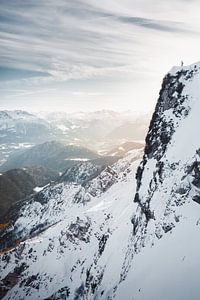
[(102, 243), (61, 294), (79, 230), (196, 198), (168, 227), (160, 133), (196, 173), (79, 293)]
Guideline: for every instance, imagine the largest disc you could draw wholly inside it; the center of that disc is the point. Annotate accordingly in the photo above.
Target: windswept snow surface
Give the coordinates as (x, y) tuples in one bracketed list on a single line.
[(168, 268)]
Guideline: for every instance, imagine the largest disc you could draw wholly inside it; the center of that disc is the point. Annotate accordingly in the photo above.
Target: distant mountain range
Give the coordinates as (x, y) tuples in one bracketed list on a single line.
[(53, 155), (21, 126), (28, 170), (105, 126), (94, 130)]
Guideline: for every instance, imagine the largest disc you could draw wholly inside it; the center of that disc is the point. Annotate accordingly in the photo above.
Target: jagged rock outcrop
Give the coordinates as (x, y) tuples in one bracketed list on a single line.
[(176, 104)]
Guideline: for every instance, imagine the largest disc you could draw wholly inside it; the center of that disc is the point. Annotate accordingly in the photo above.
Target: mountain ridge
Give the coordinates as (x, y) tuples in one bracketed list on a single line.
[(51, 154)]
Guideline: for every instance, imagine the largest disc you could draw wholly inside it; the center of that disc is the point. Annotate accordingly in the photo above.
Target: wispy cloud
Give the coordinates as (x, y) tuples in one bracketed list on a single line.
[(47, 42), (7, 74)]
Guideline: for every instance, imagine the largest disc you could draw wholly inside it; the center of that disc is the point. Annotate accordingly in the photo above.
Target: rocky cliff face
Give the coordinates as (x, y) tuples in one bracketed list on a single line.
[(166, 220), (168, 174)]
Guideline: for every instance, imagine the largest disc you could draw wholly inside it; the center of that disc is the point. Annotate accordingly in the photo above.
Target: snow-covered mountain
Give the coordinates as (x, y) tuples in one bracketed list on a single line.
[(102, 129), (21, 129), (59, 235), (54, 155), (21, 126), (91, 241), (166, 222)]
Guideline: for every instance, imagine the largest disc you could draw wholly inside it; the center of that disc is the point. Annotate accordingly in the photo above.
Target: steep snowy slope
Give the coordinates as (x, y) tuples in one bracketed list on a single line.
[(60, 235)]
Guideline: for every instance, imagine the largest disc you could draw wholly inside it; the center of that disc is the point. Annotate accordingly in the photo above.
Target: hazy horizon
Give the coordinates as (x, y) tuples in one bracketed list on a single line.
[(90, 55), (76, 111)]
